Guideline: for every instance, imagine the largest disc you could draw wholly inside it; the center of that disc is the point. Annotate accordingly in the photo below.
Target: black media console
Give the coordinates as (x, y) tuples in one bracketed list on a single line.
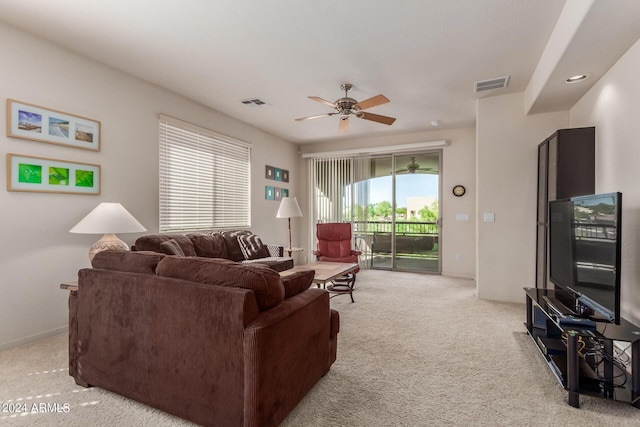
[(592, 358)]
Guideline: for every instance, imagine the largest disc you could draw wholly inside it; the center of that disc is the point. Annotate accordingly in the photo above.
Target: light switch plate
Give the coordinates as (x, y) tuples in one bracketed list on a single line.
[(489, 217), (462, 217)]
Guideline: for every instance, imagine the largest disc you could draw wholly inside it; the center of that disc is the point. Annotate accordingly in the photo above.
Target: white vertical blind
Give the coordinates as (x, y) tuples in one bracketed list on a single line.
[(331, 189), (205, 179)]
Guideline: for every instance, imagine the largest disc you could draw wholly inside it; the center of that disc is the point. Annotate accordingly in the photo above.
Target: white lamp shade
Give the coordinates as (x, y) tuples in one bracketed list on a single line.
[(288, 208), (109, 218)]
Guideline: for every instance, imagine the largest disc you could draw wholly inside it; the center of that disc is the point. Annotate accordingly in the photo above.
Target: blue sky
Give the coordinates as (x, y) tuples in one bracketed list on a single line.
[(29, 117), (408, 185)]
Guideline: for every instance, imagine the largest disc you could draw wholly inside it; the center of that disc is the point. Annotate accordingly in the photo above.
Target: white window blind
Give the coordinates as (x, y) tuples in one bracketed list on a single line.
[(205, 179)]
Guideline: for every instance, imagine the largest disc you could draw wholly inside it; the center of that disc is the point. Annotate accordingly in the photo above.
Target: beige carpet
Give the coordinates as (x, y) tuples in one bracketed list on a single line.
[(414, 350)]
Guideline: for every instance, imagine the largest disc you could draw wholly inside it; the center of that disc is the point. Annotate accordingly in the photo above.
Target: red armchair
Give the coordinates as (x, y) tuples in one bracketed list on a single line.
[(334, 245)]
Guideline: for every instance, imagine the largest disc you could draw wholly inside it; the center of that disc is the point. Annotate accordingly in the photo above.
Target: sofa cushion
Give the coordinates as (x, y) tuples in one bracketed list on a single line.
[(252, 247), (209, 245), (171, 247), (152, 242), (274, 263), (263, 281), (233, 247), (297, 282), (144, 262)]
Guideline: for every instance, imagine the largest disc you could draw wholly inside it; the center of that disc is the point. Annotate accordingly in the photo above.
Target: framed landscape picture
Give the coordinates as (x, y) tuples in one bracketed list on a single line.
[(35, 123), (42, 175)]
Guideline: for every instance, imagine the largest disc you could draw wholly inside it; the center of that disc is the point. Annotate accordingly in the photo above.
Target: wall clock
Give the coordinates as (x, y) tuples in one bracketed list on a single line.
[(459, 190)]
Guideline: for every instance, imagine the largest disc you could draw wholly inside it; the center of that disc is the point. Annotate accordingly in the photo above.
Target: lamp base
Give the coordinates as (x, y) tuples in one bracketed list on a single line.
[(108, 242)]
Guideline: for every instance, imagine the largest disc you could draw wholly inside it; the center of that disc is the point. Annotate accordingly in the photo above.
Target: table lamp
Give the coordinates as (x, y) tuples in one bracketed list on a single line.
[(108, 219), (289, 209)]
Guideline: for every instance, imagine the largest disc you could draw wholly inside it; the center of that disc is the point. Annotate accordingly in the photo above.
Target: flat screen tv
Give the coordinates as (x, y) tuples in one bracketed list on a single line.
[(584, 250)]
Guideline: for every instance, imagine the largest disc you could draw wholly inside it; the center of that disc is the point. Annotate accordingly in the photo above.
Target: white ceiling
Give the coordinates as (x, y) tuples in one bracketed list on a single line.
[(424, 55)]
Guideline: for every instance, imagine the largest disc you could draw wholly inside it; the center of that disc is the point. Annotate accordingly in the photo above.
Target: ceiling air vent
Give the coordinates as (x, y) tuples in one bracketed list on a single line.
[(497, 83), (254, 102)]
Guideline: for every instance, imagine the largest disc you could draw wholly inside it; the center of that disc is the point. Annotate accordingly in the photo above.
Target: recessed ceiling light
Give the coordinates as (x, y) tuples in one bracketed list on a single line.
[(577, 78)]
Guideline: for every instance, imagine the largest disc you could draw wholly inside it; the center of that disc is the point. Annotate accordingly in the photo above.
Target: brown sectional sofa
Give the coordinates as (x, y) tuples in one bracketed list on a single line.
[(223, 244), (209, 340)]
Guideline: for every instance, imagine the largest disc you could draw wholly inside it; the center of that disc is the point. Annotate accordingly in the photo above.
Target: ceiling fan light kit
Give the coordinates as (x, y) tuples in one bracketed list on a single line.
[(347, 107)]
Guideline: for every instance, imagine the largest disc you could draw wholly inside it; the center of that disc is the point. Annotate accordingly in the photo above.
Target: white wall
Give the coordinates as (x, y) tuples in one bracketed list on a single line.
[(458, 167), (612, 106), (507, 143), (37, 252)]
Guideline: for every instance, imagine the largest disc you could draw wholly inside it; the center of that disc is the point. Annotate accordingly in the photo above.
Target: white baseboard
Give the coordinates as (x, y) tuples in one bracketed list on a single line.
[(459, 276), (32, 338)]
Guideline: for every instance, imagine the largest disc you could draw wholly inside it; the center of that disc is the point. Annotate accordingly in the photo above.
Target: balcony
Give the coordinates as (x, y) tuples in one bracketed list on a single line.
[(416, 244)]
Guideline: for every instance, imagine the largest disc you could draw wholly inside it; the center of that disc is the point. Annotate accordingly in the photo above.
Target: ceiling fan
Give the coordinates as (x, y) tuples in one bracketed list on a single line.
[(346, 107), (413, 167)]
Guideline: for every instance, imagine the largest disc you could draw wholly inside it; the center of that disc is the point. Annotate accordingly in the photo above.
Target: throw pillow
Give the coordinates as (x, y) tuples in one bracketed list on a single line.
[(233, 246), (210, 245), (151, 242), (171, 247), (252, 247), (297, 282)]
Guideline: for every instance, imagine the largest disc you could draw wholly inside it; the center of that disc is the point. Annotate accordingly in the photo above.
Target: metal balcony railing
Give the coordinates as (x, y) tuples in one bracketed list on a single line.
[(402, 227), (411, 237)]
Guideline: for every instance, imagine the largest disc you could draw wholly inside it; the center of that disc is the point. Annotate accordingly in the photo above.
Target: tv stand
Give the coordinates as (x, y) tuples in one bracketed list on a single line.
[(557, 306), (592, 360)]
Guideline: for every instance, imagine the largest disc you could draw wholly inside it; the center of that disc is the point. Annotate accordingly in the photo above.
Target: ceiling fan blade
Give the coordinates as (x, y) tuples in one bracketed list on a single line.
[(315, 117), (322, 101), (377, 118), (372, 102), (344, 125)]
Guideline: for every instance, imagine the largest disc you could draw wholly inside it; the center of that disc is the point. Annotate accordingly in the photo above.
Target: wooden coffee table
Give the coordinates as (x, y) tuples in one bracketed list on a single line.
[(329, 272)]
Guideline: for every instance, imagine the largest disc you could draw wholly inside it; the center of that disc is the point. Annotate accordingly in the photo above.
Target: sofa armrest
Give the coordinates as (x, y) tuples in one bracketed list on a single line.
[(300, 305), (287, 349), (275, 250)]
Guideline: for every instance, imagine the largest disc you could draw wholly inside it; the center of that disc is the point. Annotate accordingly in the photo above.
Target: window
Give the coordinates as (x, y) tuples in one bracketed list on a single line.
[(205, 179)]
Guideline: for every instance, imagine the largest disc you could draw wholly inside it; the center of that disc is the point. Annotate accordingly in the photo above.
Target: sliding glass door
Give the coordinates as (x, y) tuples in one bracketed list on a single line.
[(416, 196), (392, 202)]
